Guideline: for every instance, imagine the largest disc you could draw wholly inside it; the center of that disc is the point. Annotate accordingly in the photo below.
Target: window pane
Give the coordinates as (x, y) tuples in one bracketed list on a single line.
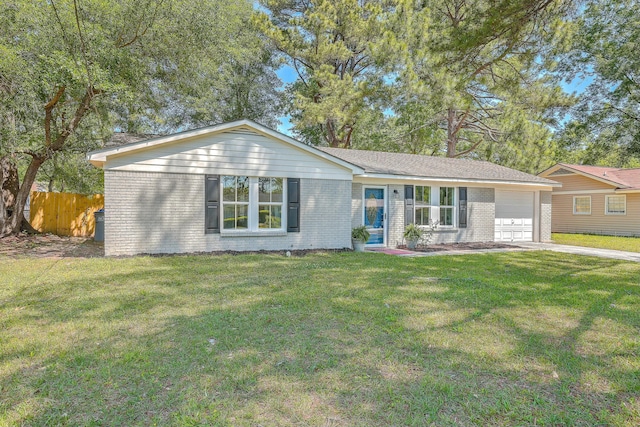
[(616, 204), (229, 217), (422, 216), (446, 216), (582, 205), (242, 220), (229, 189), (423, 195), (270, 216), (243, 189), (446, 196), (276, 190), (264, 189)]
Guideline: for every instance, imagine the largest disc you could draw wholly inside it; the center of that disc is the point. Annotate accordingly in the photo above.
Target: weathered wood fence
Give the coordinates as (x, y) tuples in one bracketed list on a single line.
[(64, 214)]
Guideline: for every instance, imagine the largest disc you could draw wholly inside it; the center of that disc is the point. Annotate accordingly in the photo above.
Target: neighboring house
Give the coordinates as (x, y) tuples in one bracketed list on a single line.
[(240, 186), (595, 199)]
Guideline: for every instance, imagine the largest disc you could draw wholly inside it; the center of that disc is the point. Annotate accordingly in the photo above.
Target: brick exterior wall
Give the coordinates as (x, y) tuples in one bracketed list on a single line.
[(148, 212), (481, 212), (480, 209), (545, 216)]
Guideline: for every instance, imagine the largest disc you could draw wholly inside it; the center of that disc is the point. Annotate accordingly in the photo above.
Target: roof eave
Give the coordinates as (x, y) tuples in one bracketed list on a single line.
[(576, 171), (461, 180)]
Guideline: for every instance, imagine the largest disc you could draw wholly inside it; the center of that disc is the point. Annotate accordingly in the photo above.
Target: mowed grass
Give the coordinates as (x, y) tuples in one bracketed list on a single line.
[(631, 244), (339, 339)]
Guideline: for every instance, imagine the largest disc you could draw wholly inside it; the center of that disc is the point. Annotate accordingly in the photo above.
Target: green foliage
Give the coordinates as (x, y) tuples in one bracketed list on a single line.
[(475, 83), (413, 232), (606, 126), (85, 68), (360, 234), (336, 48)]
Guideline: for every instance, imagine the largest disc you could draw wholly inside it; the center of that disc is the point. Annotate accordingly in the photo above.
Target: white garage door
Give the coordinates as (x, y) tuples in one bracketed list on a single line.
[(514, 216)]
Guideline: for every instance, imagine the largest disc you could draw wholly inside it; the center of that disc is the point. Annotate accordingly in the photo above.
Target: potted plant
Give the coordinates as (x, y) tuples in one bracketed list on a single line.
[(359, 236), (412, 234)]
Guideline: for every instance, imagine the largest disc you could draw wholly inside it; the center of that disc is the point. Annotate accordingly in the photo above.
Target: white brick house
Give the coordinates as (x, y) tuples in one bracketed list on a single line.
[(240, 186)]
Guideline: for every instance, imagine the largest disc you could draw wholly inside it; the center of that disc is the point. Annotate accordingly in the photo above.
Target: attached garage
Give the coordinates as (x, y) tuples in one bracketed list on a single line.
[(514, 216)]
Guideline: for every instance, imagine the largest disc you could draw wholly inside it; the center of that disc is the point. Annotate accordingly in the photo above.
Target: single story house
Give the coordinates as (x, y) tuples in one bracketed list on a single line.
[(595, 199), (240, 186)]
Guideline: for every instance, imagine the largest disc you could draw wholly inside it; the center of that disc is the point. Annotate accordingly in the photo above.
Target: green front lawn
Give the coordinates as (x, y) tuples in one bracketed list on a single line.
[(342, 339), (631, 244)]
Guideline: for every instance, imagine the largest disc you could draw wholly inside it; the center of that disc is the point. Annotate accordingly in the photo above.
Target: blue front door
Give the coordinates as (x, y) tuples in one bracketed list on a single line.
[(374, 214)]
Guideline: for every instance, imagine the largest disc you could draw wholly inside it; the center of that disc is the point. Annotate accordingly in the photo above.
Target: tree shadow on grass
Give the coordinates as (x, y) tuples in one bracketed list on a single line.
[(328, 340)]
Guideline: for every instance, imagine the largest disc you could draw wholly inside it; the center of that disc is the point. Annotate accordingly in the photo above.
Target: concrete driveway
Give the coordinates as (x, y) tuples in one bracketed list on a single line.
[(580, 250)]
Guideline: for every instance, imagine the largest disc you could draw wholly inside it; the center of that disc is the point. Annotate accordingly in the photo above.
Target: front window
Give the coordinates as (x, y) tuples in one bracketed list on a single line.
[(235, 198), (270, 208), (422, 205), (251, 203), (446, 205), (616, 205), (582, 205), (434, 204)]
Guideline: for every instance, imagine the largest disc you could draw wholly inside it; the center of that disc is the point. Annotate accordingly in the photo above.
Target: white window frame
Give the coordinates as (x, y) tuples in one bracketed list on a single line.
[(453, 207), (574, 205), (253, 215), (606, 204), (422, 205), (434, 205)]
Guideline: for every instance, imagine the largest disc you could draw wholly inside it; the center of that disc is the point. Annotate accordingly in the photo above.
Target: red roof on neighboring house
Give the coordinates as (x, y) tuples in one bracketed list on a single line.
[(623, 178)]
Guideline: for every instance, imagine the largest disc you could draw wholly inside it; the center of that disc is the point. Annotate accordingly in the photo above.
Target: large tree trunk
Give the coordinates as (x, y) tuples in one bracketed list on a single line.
[(452, 132), (14, 196)]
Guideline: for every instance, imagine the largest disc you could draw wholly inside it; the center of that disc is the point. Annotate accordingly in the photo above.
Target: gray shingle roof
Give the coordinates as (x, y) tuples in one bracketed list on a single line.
[(379, 162)]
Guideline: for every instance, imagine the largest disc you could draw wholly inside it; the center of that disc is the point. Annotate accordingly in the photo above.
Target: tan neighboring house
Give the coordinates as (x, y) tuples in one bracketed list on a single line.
[(595, 200)]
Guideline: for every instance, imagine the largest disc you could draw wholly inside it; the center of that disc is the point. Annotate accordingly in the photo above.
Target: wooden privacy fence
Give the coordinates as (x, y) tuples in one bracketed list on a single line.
[(65, 214)]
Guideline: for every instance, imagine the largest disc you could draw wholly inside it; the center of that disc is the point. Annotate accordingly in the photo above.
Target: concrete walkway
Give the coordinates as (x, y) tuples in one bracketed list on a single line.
[(580, 250), (525, 246)]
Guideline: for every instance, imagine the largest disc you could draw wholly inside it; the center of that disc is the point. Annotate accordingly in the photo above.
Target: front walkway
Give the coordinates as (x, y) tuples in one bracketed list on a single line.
[(523, 246)]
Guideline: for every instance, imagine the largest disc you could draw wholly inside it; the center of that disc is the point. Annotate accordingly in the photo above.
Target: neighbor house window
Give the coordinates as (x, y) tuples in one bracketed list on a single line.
[(615, 205), (582, 205), (422, 205), (447, 205), (434, 204), (251, 203)]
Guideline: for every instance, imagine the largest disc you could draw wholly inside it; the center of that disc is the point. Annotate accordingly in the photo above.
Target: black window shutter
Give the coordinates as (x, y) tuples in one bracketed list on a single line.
[(211, 204), (462, 220), (293, 205), (408, 205)]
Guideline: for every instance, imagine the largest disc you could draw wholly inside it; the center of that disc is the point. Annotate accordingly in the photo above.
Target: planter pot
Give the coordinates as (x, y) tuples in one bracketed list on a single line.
[(358, 245), (412, 243)]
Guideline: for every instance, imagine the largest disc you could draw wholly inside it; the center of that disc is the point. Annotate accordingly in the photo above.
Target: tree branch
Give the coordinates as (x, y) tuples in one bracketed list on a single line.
[(48, 108)]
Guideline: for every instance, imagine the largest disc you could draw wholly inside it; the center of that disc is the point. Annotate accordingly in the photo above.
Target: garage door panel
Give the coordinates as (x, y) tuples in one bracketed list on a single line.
[(514, 216)]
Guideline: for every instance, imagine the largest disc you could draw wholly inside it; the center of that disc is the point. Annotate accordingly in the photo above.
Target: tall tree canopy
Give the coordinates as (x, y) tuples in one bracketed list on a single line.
[(477, 78), (71, 70), (445, 77), (338, 49), (606, 54)]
